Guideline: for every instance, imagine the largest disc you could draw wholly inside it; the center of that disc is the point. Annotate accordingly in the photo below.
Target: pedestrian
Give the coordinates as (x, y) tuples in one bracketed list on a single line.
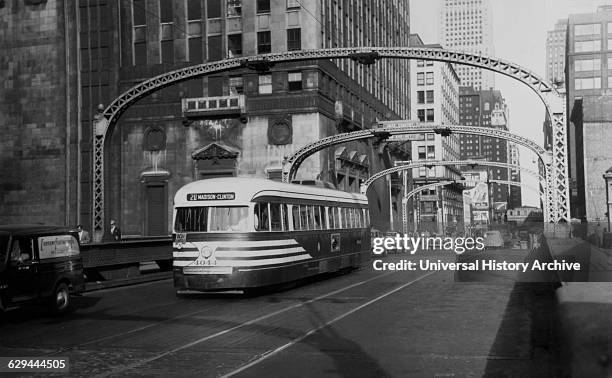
[(115, 231), (599, 235), (83, 235)]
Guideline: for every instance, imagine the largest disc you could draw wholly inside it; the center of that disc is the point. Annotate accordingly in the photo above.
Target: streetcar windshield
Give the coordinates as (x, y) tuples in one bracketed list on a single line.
[(211, 218)]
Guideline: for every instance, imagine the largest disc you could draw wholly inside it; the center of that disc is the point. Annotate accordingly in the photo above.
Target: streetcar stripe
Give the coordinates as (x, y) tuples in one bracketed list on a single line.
[(242, 243), (245, 253), (241, 263)]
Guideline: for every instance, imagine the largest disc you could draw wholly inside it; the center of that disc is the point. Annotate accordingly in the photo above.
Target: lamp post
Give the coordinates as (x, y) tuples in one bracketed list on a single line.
[(608, 179)]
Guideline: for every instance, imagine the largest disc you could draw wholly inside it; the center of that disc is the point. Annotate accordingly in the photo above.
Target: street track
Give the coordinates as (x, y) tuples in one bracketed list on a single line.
[(344, 325)]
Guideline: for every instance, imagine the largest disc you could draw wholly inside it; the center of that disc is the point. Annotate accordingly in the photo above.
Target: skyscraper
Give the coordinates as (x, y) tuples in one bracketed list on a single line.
[(555, 52), (435, 98), (467, 25), (486, 108)]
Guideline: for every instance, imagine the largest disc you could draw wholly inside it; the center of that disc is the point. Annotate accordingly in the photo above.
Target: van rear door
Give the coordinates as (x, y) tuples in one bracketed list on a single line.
[(22, 279)]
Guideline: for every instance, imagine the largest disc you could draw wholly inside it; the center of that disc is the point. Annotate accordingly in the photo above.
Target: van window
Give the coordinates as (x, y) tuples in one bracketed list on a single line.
[(3, 251), (50, 247), (21, 250)]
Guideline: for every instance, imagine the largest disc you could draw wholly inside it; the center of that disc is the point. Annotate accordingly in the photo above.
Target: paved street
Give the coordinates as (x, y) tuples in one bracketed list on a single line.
[(365, 323)]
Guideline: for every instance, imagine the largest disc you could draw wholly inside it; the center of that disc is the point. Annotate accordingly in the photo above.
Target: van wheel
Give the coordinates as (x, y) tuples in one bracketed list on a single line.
[(60, 301)]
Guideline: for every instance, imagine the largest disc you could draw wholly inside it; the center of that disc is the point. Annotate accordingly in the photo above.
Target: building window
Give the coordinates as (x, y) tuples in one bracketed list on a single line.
[(195, 49), (213, 8), (294, 39), (587, 29), (420, 97), (421, 115), (293, 4), (422, 172), (430, 115), (234, 8), (194, 12), (263, 6), (139, 12), (295, 81), (430, 97), (431, 136), (587, 83), (487, 107), (214, 48), (420, 78), (430, 78), (422, 153), (194, 30), (167, 51), (420, 63), (265, 84), (429, 63), (139, 21), (165, 11), (236, 85), (431, 152), (234, 45), (587, 65), (264, 44), (587, 46)]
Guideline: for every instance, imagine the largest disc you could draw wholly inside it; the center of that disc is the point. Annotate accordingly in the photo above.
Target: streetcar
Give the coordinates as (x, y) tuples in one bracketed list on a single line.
[(246, 233)]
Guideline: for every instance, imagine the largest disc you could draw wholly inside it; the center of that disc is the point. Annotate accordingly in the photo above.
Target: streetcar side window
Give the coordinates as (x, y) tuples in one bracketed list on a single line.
[(276, 221), (295, 213), (303, 217), (285, 216), (337, 217), (345, 218), (262, 218), (317, 217), (311, 221), (329, 215)]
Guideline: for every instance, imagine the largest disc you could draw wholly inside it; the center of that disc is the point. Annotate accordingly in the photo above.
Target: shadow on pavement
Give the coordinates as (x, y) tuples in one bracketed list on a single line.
[(527, 341)]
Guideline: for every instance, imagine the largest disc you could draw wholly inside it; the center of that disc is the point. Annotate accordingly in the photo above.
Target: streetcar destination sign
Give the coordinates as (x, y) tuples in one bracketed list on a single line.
[(211, 196)]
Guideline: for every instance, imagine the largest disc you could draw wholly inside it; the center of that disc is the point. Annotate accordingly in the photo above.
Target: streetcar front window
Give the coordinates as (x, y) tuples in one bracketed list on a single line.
[(211, 218), (228, 219)]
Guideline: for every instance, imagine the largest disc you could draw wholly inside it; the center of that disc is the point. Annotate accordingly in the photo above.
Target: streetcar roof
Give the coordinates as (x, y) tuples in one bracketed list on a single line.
[(229, 190)]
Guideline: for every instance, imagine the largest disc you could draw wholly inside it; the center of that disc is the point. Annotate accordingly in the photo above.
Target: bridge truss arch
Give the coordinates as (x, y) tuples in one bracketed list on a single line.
[(403, 166), (434, 185), (554, 102)]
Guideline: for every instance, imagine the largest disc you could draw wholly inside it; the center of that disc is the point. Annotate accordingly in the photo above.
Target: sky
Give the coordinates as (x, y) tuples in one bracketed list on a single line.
[(519, 35)]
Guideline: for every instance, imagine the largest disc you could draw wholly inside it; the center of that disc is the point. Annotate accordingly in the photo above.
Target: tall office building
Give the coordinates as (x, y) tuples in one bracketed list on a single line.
[(555, 68), (236, 123), (589, 100), (467, 25), (435, 98), (555, 52), (486, 108)]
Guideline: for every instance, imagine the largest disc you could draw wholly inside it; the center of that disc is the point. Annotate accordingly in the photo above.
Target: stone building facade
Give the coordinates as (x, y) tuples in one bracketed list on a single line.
[(238, 123), (38, 112)]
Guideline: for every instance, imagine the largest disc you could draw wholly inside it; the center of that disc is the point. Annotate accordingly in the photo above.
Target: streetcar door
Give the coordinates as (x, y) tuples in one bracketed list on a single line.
[(21, 271)]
